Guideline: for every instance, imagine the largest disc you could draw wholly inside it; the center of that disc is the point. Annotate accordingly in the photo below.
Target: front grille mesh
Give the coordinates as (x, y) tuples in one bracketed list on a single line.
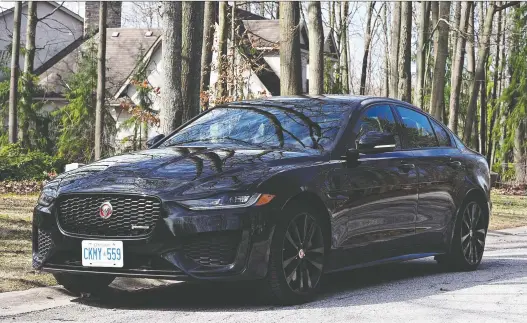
[(43, 244), (213, 248), (79, 214)]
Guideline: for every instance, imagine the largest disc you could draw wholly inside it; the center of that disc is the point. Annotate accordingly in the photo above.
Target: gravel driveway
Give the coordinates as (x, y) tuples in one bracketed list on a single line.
[(412, 291)]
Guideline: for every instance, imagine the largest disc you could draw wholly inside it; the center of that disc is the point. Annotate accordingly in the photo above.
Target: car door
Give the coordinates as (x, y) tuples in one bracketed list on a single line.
[(438, 166), (376, 198)]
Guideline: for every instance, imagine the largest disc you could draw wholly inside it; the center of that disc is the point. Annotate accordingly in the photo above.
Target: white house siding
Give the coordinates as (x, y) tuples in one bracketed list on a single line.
[(53, 33)]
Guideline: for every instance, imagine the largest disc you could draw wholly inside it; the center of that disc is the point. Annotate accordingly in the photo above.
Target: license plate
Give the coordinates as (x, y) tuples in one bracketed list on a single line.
[(102, 253)]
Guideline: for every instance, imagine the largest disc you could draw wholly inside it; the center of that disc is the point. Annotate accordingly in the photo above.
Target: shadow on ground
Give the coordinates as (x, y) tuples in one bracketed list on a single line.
[(382, 284)]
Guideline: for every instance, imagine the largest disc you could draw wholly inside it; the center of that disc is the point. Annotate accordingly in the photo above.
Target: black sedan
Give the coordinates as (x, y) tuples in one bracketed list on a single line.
[(277, 191)]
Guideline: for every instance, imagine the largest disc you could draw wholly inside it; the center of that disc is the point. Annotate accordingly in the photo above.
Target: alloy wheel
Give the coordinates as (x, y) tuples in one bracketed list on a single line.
[(303, 253), (473, 233)]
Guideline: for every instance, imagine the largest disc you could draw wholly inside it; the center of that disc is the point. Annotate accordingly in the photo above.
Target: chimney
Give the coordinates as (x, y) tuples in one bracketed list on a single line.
[(91, 16)]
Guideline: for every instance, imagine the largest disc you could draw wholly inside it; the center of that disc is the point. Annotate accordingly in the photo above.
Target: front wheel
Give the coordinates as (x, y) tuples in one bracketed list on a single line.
[(82, 283), (298, 255), (468, 241)]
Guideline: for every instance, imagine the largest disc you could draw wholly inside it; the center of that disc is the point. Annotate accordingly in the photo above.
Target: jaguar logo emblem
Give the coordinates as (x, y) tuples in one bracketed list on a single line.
[(105, 210)]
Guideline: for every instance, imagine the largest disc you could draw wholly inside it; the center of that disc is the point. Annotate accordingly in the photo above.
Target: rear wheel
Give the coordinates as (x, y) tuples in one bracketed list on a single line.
[(82, 283), (469, 237), (298, 255)]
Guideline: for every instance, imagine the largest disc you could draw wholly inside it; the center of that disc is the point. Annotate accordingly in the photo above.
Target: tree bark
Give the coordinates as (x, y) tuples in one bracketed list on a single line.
[(405, 75), (171, 109), (232, 78), (29, 60), (206, 50), (475, 86), (191, 47), (457, 26), (386, 51), (440, 56), (221, 85), (422, 49), (344, 61), (101, 79), (394, 53), (483, 116), (316, 49), (15, 71), (457, 68), (290, 60), (367, 42)]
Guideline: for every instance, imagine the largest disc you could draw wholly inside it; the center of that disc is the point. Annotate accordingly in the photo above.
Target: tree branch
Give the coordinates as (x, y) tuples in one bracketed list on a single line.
[(52, 12), (507, 5)]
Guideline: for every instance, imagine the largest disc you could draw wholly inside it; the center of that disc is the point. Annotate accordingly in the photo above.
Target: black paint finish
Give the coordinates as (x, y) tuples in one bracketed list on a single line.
[(385, 206)]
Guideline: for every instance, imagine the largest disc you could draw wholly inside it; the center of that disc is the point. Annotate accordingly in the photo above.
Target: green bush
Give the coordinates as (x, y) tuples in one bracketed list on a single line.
[(18, 164)]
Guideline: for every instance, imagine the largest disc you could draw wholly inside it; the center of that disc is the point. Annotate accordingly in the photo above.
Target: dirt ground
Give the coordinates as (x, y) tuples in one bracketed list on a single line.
[(16, 272)]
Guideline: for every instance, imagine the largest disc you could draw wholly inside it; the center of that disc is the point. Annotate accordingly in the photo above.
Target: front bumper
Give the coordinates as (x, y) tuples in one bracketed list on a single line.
[(185, 245)]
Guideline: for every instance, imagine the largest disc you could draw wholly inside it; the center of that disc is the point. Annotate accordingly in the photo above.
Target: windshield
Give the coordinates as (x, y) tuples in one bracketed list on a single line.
[(305, 127)]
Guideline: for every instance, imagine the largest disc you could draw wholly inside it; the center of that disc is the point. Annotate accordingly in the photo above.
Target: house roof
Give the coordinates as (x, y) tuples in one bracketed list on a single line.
[(54, 4), (124, 48)]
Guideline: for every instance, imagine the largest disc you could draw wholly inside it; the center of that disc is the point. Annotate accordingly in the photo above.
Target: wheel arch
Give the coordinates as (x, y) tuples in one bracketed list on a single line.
[(476, 194)]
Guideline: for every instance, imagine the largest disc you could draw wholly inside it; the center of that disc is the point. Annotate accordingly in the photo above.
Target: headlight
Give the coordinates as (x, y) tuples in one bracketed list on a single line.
[(228, 201), (46, 198)]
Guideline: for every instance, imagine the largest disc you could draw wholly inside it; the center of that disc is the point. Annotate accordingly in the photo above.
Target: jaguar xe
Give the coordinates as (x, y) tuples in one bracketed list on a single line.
[(279, 191)]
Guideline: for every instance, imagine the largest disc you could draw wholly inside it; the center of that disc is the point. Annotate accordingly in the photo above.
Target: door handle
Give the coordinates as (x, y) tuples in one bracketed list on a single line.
[(454, 163), (406, 166)]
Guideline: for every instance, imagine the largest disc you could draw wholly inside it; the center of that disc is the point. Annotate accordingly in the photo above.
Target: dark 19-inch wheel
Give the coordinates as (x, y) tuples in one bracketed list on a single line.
[(79, 283), (468, 241), (298, 255)]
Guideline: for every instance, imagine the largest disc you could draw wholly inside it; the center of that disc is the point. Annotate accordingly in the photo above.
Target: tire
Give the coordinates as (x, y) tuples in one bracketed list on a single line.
[(81, 283), (297, 261), (468, 241)]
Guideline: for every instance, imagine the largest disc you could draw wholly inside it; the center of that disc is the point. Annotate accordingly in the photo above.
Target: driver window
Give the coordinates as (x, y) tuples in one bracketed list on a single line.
[(378, 118)]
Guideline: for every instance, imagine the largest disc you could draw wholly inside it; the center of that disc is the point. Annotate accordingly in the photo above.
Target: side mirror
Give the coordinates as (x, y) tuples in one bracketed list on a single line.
[(154, 140), (376, 142)]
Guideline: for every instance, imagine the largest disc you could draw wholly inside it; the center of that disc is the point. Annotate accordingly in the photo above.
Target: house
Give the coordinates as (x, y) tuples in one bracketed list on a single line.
[(59, 30), (129, 49)]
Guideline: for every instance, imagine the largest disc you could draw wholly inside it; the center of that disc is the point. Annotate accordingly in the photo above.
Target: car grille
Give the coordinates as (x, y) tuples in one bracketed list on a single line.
[(44, 244), (133, 216), (213, 248)]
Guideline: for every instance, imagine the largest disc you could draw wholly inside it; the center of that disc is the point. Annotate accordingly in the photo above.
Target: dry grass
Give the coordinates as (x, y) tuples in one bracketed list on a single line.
[(16, 272)]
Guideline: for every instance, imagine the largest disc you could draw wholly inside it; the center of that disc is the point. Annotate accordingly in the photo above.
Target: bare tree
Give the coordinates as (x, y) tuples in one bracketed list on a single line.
[(483, 52), (29, 60), (290, 68), (206, 52), (440, 56), (221, 85), (316, 49), (405, 75), (367, 42), (170, 112), (101, 78), (191, 47), (422, 50), (15, 71), (394, 53), (344, 61), (457, 68), (386, 50)]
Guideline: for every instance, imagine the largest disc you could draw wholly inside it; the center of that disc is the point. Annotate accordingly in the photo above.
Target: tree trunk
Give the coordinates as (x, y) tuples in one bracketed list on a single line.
[(457, 68), (101, 78), (171, 108), (316, 49), (290, 60), (221, 85), (344, 61), (422, 49), (440, 56), (519, 152), (386, 51), (483, 52), (367, 41), (29, 61), (394, 53), (15, 71), (457, 26), (483, 116), (405, 75), (191, 46), (206, 51)]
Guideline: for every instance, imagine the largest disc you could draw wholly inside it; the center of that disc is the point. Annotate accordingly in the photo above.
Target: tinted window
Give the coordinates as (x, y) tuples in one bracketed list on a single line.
[(300, 126), (417, 129), (378, 118), (442, 135)]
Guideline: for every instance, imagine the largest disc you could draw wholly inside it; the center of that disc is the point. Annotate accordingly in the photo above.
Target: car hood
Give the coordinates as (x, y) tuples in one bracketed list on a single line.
[(177, 172)]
